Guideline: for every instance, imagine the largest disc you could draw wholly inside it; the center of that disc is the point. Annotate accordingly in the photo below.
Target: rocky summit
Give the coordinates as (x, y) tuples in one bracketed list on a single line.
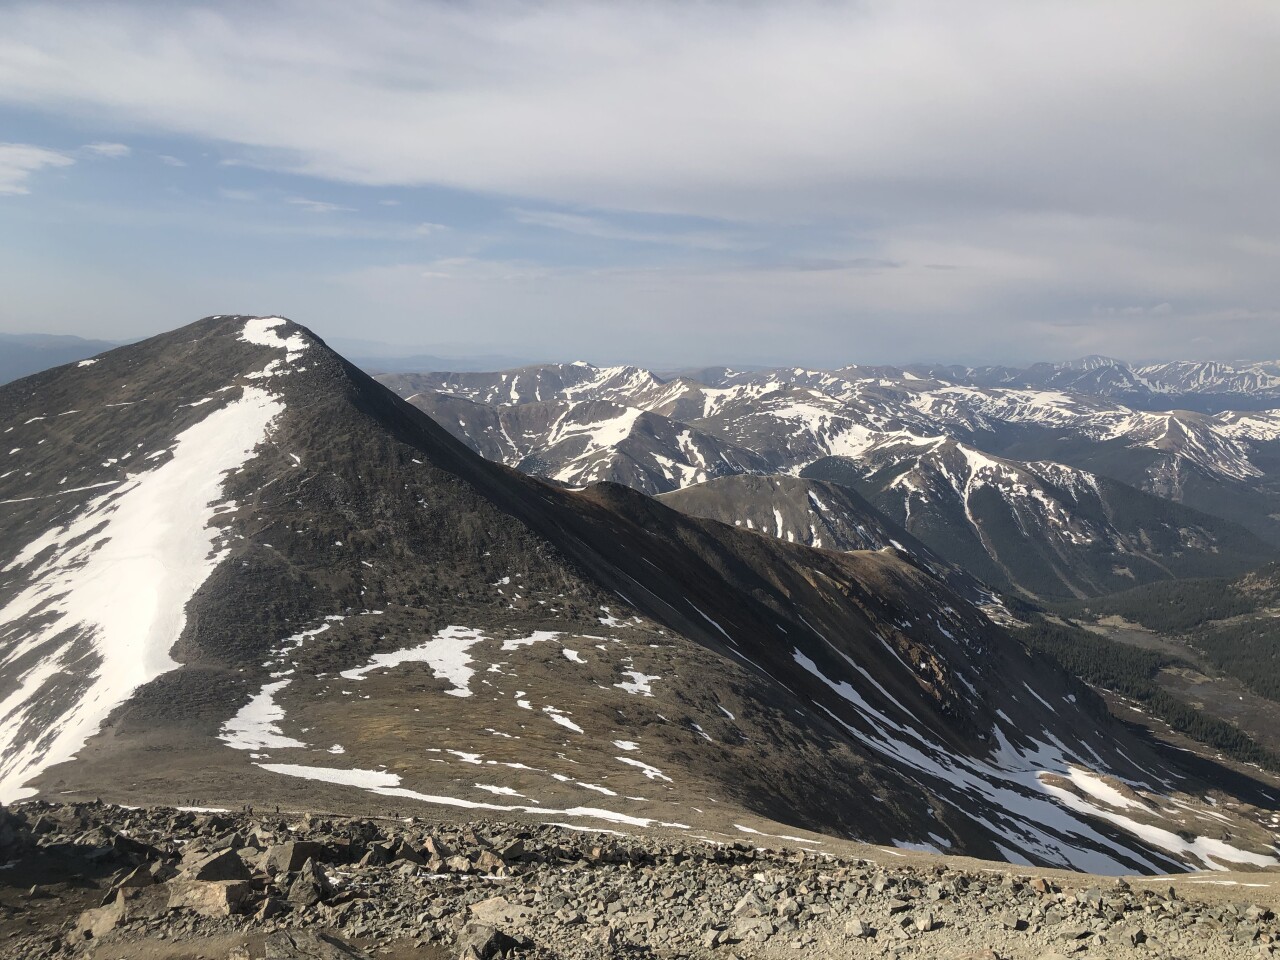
[(164, 883)]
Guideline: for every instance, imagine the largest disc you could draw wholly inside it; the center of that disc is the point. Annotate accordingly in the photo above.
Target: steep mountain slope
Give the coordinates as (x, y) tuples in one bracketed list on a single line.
[(1042, 528), (797, 510), (822, 515), (627, 386), (588, 441), (240, 571)]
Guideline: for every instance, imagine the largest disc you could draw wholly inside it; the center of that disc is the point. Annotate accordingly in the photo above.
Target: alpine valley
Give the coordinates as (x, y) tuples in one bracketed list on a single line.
[(708, 611)]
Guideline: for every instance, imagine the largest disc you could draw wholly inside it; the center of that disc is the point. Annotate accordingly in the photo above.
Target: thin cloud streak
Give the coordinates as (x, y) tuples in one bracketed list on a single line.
[(318, 206), (113, 151), (601, 228)]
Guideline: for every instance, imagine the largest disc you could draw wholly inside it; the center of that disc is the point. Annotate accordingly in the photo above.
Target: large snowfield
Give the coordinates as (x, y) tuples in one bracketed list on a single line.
[(106, 592)]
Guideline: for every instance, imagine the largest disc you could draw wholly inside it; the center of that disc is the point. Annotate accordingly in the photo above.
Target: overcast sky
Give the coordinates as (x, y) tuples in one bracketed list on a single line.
[(816, 183)]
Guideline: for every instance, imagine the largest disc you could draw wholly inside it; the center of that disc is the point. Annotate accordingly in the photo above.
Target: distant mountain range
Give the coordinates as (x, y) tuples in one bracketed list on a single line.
[(239, 569), (28, 353), (1203, 386), (1207, 386), (1038, 489)]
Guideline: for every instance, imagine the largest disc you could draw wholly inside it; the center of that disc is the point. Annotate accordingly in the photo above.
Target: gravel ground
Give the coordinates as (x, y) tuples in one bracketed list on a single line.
[(100, 881)]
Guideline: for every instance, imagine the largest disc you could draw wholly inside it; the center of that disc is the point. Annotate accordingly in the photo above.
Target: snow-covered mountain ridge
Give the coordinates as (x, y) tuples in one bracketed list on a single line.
[(920, 447), (833, 412)]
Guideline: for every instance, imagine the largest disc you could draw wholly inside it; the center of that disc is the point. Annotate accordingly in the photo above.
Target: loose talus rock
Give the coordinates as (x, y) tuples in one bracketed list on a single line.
[(568, 895)]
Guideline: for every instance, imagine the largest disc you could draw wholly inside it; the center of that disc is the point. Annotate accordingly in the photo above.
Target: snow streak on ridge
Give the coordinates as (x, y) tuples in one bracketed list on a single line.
[(107, 591)]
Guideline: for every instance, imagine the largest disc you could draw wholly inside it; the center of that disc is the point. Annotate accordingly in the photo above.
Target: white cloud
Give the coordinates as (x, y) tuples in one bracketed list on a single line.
[(114, 151), (1056, 155), (720, 109), (169, 161), (18, 161)]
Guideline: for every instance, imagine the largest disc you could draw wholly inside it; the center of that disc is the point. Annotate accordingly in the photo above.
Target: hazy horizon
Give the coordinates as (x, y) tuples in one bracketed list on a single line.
[(372, 350)]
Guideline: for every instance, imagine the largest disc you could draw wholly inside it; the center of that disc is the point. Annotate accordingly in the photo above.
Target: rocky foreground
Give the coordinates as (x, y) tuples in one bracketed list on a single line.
[(94, 880)]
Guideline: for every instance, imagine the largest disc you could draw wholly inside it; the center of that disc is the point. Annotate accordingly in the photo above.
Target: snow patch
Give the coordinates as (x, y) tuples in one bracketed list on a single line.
[(558, 716), (653, 773), (388, 785), (538, 636), (110, 589), (256, 726), (263, 331), (447, 654), (638, 685)]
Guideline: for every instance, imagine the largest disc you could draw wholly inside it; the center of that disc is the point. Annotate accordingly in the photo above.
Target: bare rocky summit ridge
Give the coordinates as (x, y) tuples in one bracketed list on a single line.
[(99, 881), (240, 571)]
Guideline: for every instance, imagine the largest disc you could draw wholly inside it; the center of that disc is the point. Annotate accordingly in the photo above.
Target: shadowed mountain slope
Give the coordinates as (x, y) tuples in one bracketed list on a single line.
[(1040, 528), (821, 515)]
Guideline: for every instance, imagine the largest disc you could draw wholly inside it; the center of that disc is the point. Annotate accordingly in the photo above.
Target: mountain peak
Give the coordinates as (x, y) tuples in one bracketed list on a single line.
[(1092, 362)]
